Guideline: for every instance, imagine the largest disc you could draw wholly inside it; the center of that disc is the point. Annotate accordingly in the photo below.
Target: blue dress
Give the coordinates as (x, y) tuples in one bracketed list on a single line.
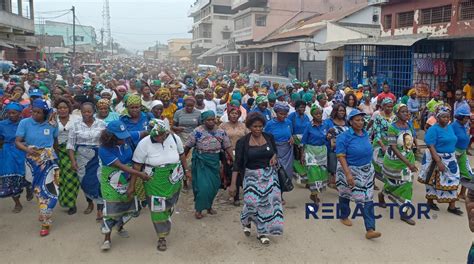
[(12, 171)]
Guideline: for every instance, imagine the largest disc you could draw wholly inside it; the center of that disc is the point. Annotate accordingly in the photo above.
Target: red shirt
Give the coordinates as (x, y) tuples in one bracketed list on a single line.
[(384, 95)]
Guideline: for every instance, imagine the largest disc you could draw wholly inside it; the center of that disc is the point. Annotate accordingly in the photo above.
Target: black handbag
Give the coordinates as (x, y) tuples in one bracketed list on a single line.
[(286, 185)]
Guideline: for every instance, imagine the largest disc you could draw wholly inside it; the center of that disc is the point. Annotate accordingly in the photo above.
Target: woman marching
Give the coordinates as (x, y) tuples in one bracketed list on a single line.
[(12, 171), (355, 173), (380, 143), (300, 121), (399, 161), (83, 146), (116, 153), (161, 156), (68, 180), (255, 160), (208, 141), (439, 167), (36, 136), (315, 153)]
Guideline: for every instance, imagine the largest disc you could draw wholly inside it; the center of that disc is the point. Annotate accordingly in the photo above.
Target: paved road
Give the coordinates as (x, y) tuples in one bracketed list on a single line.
[(76, 239)]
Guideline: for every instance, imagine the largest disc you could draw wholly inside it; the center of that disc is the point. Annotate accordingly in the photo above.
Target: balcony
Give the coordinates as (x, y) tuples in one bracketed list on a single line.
[(16, 24), (197, 6), (243, 35), (244, 4)]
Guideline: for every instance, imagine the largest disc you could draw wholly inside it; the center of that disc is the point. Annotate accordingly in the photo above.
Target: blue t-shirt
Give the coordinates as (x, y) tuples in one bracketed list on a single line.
[(299, 122), (8, 130), (357, 149), (267, 114), (315, 135), (462, 134), (180, 103), (111, 117), (141, 125), (443, 139), (41, 135), (123, 153), (281, 131)]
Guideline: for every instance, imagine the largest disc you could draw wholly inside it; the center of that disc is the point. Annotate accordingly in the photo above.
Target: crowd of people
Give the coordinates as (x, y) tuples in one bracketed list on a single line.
[(134, 135)]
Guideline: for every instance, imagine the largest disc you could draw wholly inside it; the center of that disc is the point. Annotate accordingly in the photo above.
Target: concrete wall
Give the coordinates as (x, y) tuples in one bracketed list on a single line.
[(453, 28), (65, 30), (364, 16)]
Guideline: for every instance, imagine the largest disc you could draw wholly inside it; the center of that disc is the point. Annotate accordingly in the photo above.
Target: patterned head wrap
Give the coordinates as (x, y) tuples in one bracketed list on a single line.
[(261, 99), (235, 103), (295, 97), (443, 110), (103, 102), (231, 108), (386, 101), (236, 96), (321, 96), (397, 107), (308, 97), (315, 108), (134, 100), (207, 114), (158, 127), (164, 94), (411, 92), (281, 107), (272, 97)]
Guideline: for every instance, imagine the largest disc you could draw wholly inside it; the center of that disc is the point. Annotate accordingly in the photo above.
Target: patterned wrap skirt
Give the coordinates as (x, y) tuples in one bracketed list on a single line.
[(316, 166), (89, 171), (464, 165), (285, 157), (440, 186), (363, 191), (262, 201), (398, 177), (377, 162), (12, 171), (68, 180)]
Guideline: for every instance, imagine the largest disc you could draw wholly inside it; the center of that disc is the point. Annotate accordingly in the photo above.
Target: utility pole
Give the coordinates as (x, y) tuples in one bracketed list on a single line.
[(156, 50), (102, 41), (73, 9), (112, 44)]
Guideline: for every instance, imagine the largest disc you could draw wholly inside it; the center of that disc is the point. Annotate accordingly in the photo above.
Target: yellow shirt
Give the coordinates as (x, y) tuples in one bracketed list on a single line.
[(468, 90)]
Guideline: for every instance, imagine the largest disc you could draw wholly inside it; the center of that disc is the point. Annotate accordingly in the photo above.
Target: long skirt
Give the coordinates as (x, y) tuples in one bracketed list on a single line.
[(377, 162), (12, 171), (118, 208), (206, 179), (398, 179), (89, 171), (363, 191), (440, 186), (298, 167), (285, 157), (464, 165), (42, 169), (262, 201), (316, 166), (68, 181), (162, 196)]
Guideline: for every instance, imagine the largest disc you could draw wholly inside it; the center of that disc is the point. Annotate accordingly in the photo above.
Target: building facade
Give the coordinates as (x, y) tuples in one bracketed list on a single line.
[(212, 24), (179, 49), (86, 38), (17, 41)]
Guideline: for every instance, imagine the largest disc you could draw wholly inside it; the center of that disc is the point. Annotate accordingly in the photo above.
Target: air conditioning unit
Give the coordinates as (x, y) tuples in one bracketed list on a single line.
[(378, 2)]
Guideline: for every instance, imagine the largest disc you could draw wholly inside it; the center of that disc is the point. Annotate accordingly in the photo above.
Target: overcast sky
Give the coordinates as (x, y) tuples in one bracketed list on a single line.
[(135, 24)]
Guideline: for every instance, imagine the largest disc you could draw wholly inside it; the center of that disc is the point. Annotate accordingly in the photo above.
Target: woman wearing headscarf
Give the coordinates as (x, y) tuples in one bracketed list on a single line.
[(255, 161), (315, 152), (68, 181), (261, 106), (281, 129), (104, 111), (161, 156), (115, 152), (133, 118), (156, 111), (355, 173), (169, 108), (37, 137), (118, 102), (299, 121), (12, 171), (439, 167), (399, 162), (235, 130), (208, 141), (83, 146), (336, 124), (380, 128), (462, 116)]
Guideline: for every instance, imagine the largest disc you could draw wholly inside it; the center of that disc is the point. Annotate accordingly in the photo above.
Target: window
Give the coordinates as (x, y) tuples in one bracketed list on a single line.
[(388, 22), (79, 38), (243, 22), (226, 35), (441, 14), (220, 9), (405, 19), (466, 10), (261, 20)]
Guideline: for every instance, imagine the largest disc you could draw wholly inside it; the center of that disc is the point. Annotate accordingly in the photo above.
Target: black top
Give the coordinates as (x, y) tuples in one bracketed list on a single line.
[(260, 154)]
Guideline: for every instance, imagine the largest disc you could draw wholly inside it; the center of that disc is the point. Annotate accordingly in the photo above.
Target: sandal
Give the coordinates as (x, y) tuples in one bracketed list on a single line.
[(89, 208), (264, 240), (72, 210), (198, 215), (44, 230), (123, 233), (161, 244), (455, 211), (247, 230), (17, 209), (106, 245), (211, 211)]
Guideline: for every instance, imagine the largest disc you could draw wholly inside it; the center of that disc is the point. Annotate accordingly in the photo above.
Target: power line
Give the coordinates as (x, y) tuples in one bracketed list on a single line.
[(42, 17), (150, 34), (55, 11)]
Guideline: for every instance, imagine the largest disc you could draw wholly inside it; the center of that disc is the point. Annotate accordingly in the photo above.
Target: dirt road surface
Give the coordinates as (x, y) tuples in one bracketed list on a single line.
[(77, 239)]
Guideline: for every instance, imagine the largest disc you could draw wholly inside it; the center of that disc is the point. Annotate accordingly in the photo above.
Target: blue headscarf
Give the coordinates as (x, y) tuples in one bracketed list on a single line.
[(207, 114), (41, 104), (279, 106), (14, 106)]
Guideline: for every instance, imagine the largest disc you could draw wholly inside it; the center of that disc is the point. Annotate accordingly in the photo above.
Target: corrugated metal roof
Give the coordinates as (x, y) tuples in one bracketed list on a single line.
[(366, 29), (404, 40), (267, 45), (211, 52), (4, 44)]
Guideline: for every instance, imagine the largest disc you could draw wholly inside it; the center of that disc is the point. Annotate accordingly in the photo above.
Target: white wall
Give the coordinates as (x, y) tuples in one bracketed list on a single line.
[(338, 33), (364, 16)]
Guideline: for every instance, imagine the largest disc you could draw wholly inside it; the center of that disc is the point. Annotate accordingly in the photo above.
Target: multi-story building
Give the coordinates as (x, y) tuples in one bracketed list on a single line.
[(179, 49), (212, 24), (17, 41), (86, 38)]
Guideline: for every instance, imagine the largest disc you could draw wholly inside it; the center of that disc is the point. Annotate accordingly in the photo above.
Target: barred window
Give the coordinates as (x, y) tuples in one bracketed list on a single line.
[(405, 19), (466, 10), (441, 14), (387, 21)]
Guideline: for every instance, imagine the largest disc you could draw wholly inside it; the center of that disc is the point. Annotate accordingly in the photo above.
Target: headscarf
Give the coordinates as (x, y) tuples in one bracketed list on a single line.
[(281, 107), (133, 100), (261, 99), (411, 92), (41, 104), (272, 97), (397, 107), (386, 101), (308, 97), (189, 98), (218, 89), (155, 103), (164, 94), (279, 93), (231, 107), (158, 127), (122, 88), (315, 108), (106, 91), (103, 102), (236, 96), (235, 103), (207, 114), (442, 110), (321, 96), (14, 106), (295, 97)]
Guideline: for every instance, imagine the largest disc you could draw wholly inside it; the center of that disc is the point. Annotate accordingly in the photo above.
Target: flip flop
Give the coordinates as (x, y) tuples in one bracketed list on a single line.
[(161, 244)]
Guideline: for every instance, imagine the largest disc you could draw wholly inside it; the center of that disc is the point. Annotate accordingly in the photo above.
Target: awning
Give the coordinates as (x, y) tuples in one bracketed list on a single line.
[(229, 52), (22, 47), (267, 45), (5, 45), (404, 40), (211, 52)]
